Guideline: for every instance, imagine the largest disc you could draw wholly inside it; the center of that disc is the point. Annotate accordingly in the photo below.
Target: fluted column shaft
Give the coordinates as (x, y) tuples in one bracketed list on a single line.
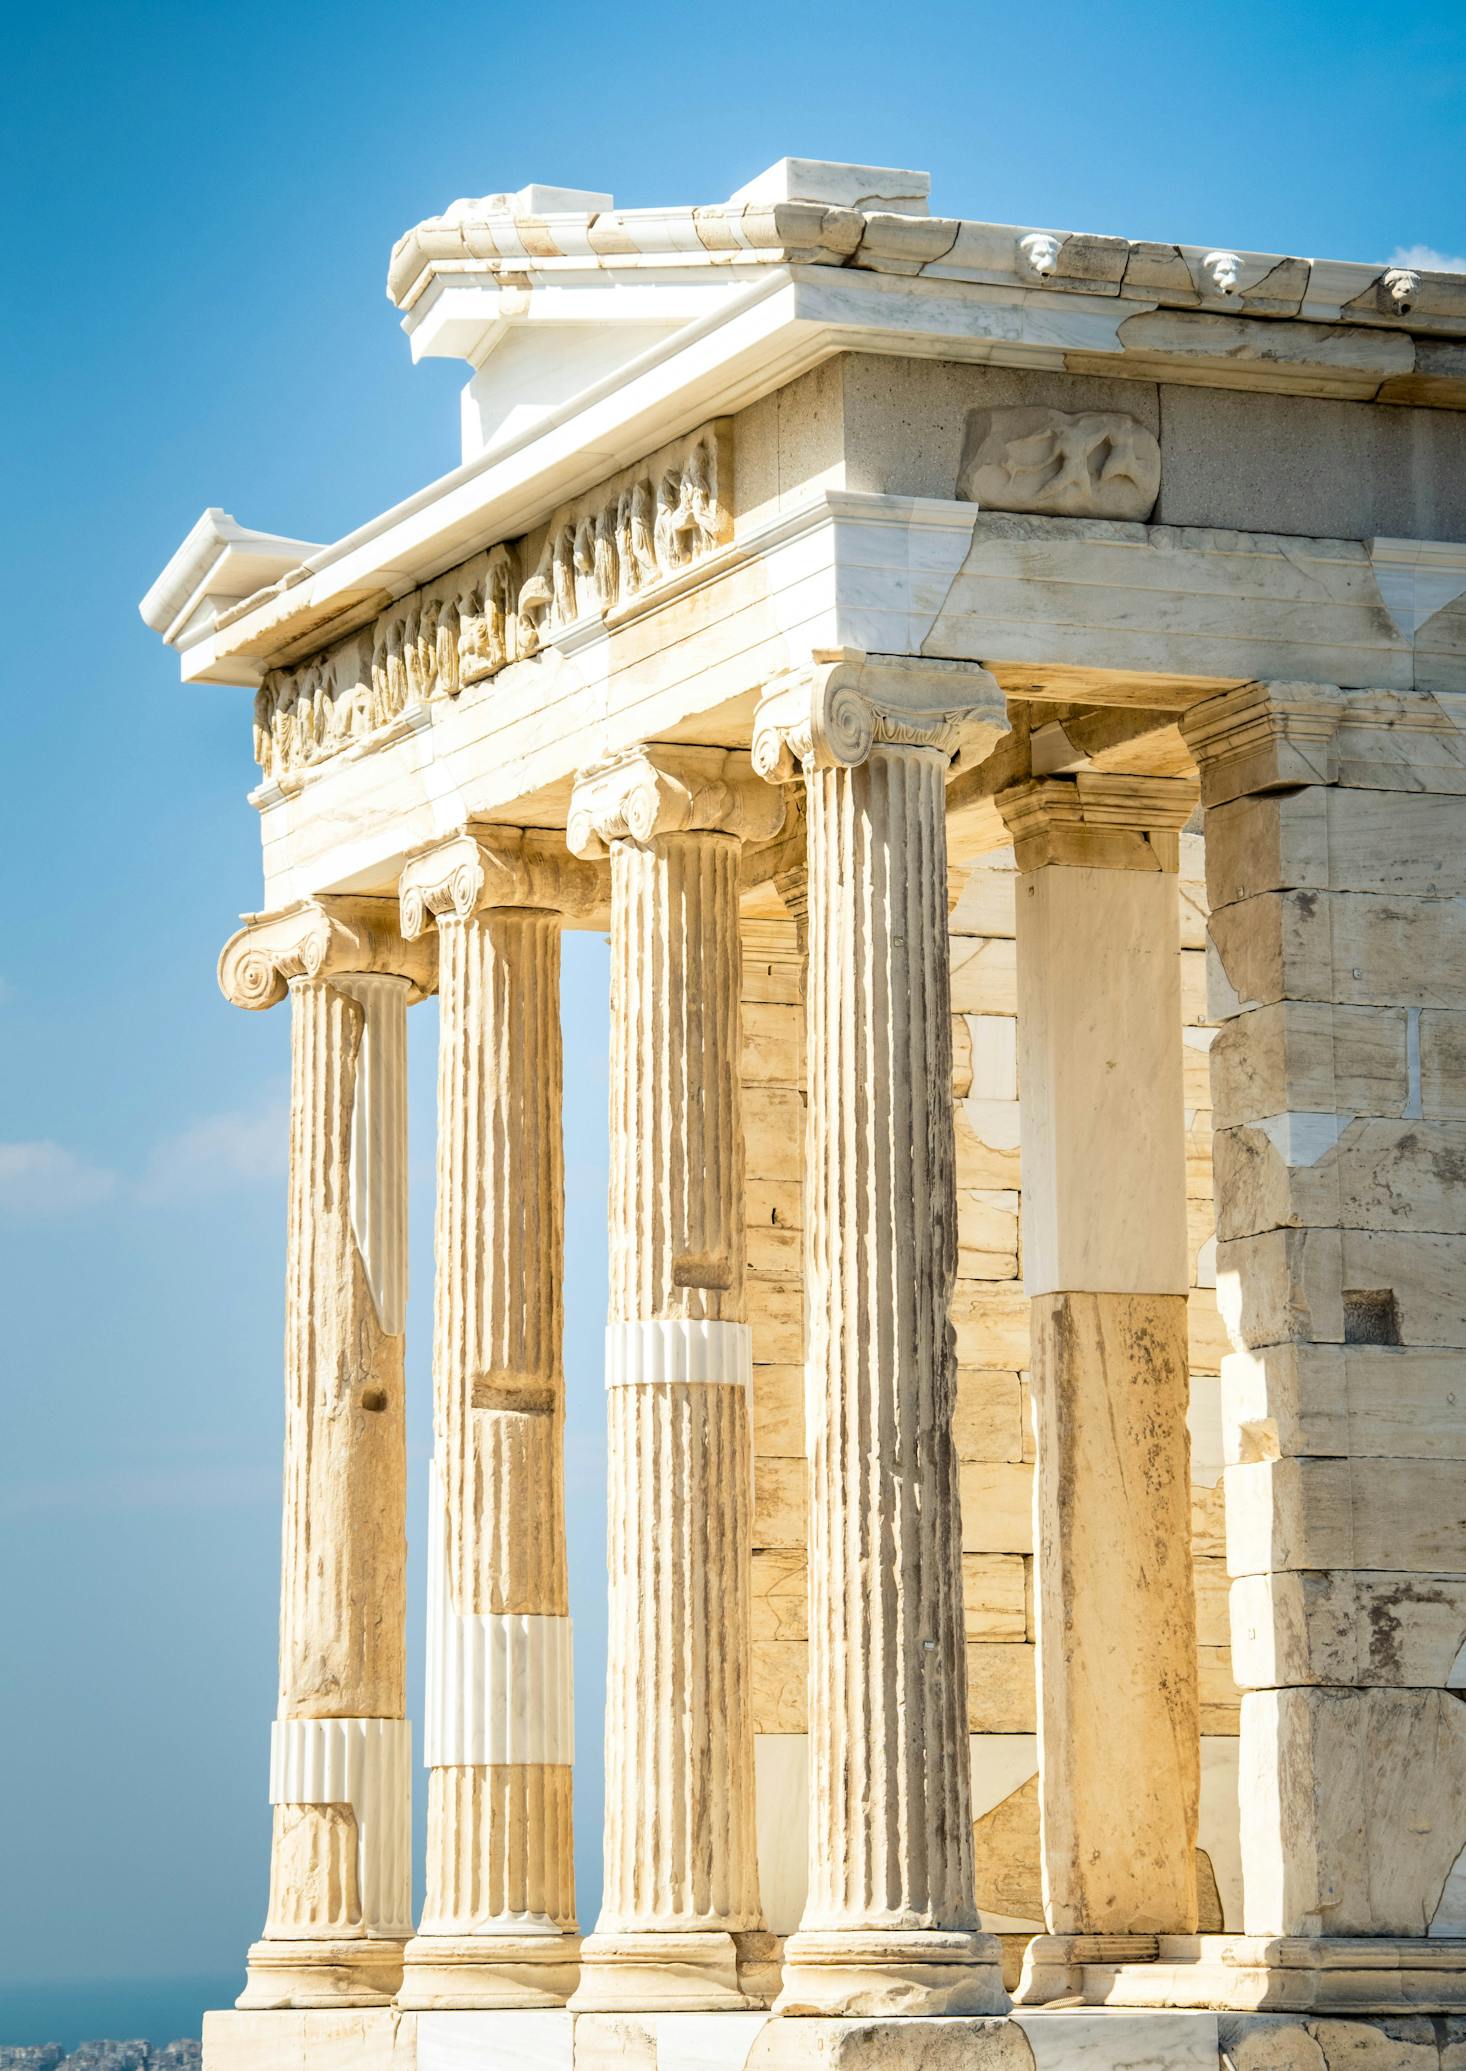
[(889, 1764), (340, 1873), (890, 1921), (498, 1924), (679, 1832), (681, 1864)]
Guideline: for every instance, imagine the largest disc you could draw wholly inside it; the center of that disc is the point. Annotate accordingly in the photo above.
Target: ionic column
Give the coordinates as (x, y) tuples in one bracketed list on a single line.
[(1105, 1268), (498, 1923), (681, 1924), (890, 1926), (340, 1754)]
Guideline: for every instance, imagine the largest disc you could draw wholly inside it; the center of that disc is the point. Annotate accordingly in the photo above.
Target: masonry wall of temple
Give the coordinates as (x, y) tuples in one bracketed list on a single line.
[(1003, 695)]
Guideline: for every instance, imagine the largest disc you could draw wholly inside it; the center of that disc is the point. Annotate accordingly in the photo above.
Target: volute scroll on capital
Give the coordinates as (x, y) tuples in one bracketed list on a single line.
[(835, 712), (331, 936), (490, 868), (647, 792)]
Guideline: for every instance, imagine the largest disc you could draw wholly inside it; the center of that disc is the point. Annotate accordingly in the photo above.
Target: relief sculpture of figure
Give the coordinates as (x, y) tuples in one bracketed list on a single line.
[(641, 529), (1099, 464), (264, 715), (605, 558)]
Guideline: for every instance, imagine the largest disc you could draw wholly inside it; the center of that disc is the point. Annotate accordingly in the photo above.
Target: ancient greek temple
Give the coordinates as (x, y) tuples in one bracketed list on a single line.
[(1003, 694)]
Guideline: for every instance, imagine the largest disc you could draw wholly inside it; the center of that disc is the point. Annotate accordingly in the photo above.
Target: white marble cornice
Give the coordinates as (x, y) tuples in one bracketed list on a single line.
[(495, 867), (328, 937), (651, 791), (834, 712)]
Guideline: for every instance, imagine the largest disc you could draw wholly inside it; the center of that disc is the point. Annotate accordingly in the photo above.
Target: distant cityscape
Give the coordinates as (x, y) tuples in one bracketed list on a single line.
[(183, 2055)]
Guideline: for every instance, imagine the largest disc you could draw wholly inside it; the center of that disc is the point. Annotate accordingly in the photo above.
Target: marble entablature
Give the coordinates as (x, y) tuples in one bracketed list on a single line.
[(601, 553)]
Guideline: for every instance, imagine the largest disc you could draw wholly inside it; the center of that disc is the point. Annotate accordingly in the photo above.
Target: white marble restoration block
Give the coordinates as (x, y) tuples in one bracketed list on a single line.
[(366, 1764), (500, 1686), (679, 1348)]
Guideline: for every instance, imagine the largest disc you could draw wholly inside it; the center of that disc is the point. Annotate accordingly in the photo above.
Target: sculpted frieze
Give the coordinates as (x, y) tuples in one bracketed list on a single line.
[(1096, 464), (600, 553)]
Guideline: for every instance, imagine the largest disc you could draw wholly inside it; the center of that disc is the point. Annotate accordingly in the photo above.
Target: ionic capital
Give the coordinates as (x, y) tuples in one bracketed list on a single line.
[(832, 714), (333, 936), (1263, 737), (495, 867), (651, 791), (1098, 820)]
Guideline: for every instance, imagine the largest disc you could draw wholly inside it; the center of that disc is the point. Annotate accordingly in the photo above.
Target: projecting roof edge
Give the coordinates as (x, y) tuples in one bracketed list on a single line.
[(523, 252), (757, 339)]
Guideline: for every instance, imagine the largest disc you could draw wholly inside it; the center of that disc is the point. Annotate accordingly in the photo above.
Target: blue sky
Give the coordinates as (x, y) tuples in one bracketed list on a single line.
[(201, 204)]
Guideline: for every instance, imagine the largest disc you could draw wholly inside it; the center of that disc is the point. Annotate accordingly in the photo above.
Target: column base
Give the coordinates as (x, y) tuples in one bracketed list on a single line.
[(488, 1970), (1245, 1973), (321, 1974), (1053, 1964), (664, 1972), (882, 1971)]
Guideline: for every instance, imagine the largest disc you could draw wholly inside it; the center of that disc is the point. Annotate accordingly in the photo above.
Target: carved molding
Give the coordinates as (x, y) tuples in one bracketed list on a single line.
[(602, 552), (1098, 820), (329, 937), (834, 713), (1096, 464), (496, 867), (651, 791), (1263, 735)]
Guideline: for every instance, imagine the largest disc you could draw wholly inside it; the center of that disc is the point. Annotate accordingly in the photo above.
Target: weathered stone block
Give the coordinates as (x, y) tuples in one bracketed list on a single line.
[(1311, 1057), (780, 1502), (994, 1596), (778, 1412), (984, 975), (780, 1686), (1356, 1806), (997, 1506), (776, 1314), (773, 1044), (1345, 946), (990, 1323), (1212, 1588), (1220, 1699), (780, 1601), (987, 1136), (984, 897), (773, 1132), (1117, 1612), (1311, 1170), (1408, 1515), (1001, 1689), (1291, 2042), (1332, 839), (1007, 1856), (804, 2042), (988, 1424), (1285, 1284), (1368, 1401), (1338, 1626), (1443, 1063)]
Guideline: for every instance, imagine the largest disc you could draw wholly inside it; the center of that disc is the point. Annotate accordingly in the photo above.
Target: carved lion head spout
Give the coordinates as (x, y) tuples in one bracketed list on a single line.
[(1101, 464)]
